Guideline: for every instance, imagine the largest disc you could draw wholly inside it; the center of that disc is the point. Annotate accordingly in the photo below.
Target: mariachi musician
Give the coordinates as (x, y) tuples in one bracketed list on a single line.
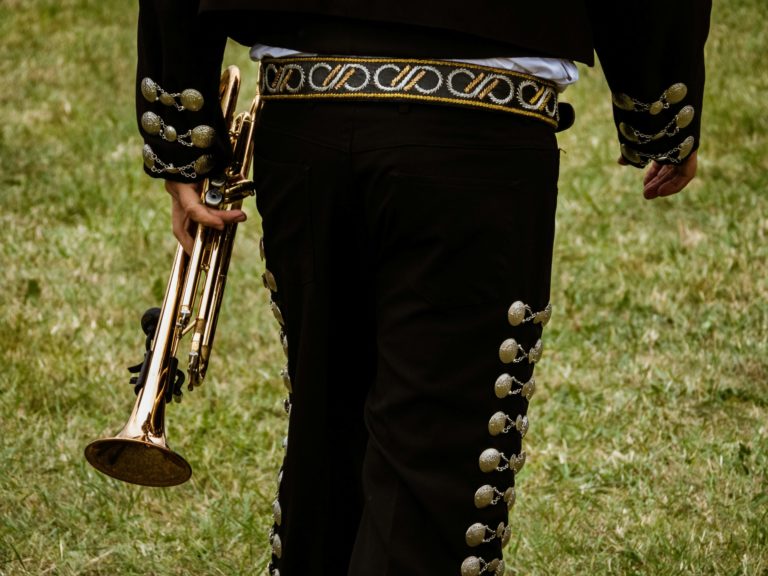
[(406, 165)]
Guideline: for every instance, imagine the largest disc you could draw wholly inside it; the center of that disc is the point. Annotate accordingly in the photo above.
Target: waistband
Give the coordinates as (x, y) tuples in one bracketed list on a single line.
[(402, 79)]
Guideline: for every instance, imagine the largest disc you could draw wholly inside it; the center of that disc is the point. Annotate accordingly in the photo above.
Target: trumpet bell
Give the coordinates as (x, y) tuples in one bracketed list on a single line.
[(138, 461)]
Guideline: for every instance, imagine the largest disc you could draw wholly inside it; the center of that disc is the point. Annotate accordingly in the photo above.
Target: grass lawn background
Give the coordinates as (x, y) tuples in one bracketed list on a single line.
[(649, 431)]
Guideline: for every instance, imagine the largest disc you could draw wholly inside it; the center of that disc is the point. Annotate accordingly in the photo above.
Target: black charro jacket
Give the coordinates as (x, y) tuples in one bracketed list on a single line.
[(652, 53)]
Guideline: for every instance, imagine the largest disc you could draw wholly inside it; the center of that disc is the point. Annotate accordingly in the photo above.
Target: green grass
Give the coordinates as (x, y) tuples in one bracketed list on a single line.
[(649, 432)]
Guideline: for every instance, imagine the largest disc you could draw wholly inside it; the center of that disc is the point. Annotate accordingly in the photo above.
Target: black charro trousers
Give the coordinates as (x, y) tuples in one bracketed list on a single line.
[(398, 236)]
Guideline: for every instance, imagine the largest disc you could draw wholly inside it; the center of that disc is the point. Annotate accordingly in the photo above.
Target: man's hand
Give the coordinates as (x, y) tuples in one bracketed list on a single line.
[(667, 179), (186, 208)]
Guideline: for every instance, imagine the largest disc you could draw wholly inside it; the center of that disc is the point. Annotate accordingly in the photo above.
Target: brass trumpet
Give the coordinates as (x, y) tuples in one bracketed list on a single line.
[(139, 453)]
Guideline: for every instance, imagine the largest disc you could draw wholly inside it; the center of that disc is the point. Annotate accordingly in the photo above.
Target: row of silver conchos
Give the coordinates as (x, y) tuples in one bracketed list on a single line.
[(672, 96), (201, 136), (491, 460), (277, 512)]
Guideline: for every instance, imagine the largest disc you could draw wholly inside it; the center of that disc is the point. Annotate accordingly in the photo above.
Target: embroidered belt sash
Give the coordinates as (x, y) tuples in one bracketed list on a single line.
[(433, 81)]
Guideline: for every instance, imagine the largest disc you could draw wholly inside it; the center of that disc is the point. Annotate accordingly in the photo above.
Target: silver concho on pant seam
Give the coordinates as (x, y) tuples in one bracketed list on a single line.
[(286, 379), (520, 313), (474, 566), (270, 283), (277, 512), (505, 382), (480, 533), (501, 423), (278, 314), (276, 543), (488, 495), (509, 352), (491, 460)]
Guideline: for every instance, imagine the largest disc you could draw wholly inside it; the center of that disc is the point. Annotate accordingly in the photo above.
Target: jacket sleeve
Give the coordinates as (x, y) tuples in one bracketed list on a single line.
[(652, 54), (177, 86)]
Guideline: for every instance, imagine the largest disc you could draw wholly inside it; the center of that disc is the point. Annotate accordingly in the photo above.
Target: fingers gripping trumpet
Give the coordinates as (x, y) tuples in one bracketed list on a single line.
[(139, 453)]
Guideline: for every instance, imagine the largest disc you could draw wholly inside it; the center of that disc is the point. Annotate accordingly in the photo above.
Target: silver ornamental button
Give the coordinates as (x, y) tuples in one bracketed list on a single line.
[(506, 535), (276, 312), (497, 423), (631, 155), (528, 389), (500, 568), (521, 424), (685, 116), (686, 147), (623, 101), (517, 462), (151, 123), (149, 89), (475, 535), (167, 99), (489, 460), (192, 100), (202, 136), (148, 155), (277, 512), (510, 497), (516, 313), (503, 385), (286, 380), (277, 546), (470, 566), (534, 354), (628, 132), (544, 316), (656, 107), (508, 350), (484, 496), (500, 530), (284, 342), (492, 565), (676, 92), (171, 169), (204, 164), (269, 279), (169, 133)]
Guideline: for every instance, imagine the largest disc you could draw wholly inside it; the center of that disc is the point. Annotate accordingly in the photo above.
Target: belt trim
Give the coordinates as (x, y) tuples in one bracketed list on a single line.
[(434, 81)]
